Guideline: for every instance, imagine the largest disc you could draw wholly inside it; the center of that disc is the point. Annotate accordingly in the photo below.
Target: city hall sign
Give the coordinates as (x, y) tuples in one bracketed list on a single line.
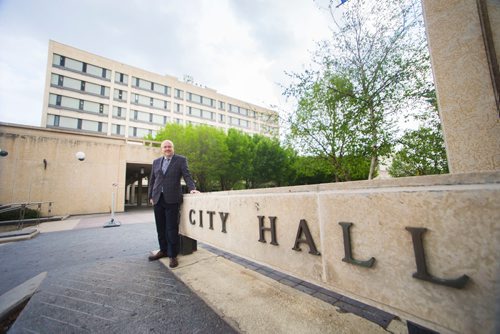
[(304, 238)]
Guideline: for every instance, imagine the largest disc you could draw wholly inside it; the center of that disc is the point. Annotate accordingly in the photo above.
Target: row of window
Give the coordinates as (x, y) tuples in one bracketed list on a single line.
[(79, 85), (136, 115), (98, 127), (79, 66), (133, 131), (138, 99), (147, 117), (206, 101), (241, 111), (76, 123), (241, 123), (196, 112), (75, 65), (120, 129), (142, 116), (122, 78), (121, 95), (139, 132), (150, 86), (149, 101), (118, 94), (66, 102)]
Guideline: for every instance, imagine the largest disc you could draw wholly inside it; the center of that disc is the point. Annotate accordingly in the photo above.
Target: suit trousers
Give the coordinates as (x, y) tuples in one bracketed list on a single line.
[(167, 226)]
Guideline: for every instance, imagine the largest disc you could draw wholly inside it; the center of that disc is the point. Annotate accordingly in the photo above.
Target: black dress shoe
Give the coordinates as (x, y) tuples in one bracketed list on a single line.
[(156, 256), (173, 262)]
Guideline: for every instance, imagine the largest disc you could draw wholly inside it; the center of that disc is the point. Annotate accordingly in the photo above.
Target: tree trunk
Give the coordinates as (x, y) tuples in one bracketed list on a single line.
[(373, 165)]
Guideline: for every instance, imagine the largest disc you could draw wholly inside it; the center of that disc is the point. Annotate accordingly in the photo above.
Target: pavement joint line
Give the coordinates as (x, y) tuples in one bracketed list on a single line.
[(346, 304)]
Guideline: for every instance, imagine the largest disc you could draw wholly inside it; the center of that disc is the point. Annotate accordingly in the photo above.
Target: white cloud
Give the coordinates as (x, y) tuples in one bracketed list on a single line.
[(241, 48)]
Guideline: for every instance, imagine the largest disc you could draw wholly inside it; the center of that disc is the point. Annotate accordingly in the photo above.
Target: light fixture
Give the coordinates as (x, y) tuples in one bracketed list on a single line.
[(80, 156)]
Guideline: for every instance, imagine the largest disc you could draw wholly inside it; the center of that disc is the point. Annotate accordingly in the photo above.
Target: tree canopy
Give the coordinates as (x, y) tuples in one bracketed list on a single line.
[(220, 161), (366, 76), (422, 151)]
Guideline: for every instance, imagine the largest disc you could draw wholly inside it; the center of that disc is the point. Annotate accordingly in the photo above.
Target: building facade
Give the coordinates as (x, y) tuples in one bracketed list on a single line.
[(88, 93)]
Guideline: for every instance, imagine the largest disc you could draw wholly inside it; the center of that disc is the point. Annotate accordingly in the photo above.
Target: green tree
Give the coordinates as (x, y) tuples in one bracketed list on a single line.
[(205, 148), (209, 155), (312, 170), (239, 166), (220, 161), (422, 151), (325, 123), (374, 67), (271, 163), (381, 47)]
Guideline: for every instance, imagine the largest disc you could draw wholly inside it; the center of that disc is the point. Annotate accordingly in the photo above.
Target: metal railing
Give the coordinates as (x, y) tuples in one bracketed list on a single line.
[(22, 210)]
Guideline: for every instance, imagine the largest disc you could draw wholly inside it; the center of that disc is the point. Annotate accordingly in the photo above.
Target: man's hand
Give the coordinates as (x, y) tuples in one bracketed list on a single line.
[(151, 201), (194, 191)]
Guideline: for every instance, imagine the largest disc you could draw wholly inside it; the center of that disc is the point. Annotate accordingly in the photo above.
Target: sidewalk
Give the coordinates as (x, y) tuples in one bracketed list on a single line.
[(256, 303), (97, 220), (248, 297)]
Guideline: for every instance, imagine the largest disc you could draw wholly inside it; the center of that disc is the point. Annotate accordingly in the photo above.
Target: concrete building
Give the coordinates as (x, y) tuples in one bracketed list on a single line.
[(425, 249), (88, 93)]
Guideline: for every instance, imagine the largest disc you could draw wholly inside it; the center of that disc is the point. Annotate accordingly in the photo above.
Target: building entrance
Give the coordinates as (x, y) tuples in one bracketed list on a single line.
[(136, 185)]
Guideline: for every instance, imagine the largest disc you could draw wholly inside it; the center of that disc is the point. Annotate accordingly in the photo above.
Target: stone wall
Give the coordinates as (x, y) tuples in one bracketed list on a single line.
[(465, 89), (459, 212), (42, 167)]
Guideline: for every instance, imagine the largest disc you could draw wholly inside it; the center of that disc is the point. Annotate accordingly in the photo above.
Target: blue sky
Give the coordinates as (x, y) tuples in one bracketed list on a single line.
[(241, 48)]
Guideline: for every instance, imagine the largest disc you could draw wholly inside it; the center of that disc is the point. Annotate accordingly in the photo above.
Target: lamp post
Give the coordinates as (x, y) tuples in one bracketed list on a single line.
[(113, 222)]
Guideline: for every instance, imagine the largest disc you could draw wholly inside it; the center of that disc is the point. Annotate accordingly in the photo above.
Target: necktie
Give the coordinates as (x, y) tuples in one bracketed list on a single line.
[(164, 167)]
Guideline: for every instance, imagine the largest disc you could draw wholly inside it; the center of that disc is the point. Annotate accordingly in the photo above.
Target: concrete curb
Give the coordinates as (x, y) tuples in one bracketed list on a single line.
[(24, 234), (13, 298)]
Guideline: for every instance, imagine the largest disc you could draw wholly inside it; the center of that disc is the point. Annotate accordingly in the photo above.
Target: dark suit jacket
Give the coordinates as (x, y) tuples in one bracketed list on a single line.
[(170, 181)]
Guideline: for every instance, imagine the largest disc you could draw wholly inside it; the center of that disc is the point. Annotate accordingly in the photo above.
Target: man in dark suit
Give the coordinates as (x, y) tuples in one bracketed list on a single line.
[(165, 194)]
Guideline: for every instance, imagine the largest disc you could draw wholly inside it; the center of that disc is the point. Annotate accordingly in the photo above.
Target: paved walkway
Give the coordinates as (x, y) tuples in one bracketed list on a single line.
[(99, 281)]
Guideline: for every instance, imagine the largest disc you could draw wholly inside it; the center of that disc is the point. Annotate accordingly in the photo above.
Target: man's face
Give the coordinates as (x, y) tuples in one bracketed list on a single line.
[(167, 147)]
